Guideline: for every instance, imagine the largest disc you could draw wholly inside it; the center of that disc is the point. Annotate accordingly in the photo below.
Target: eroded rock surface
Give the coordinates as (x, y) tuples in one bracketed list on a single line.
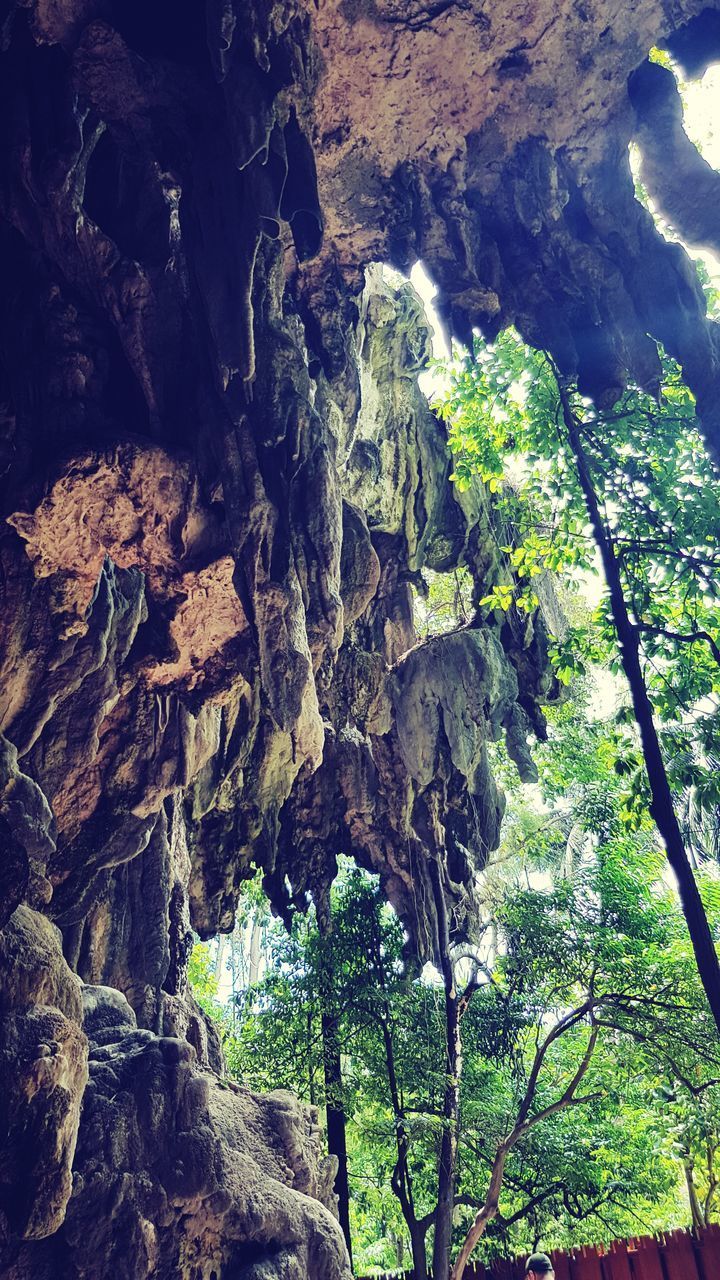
[(176, 1172), (43, 1073), (506, 171), (220, 486)]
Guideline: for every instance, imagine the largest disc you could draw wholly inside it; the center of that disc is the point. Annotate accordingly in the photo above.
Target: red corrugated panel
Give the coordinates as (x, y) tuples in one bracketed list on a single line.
[(709, 1252), (645, 1260), (506, 1269), (616, 1264), (561, 1263), (679, 1256), (585, 1264), (676, 1256)]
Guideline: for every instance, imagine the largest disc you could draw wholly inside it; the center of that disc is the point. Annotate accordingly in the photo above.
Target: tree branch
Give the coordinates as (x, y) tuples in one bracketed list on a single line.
[(691, 637), (563, 1025)]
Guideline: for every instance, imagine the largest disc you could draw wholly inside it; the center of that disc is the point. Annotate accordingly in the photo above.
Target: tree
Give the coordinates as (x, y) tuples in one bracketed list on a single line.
[(203, 979), (692, 1117), (379, 1002), (328, 991), (607, 978), (594, 968), (335, 1117), (636, 485)]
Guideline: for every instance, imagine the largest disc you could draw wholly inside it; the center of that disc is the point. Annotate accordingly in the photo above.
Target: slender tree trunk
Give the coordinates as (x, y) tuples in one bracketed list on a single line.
[(696, 1213), (219, 957), (447, 1165), (254, 951), (311, 1059), (233, 981), (334, 1104), (402, 1183), (524, 1122), (336, 1121), (708, 1206), (485, 1215), (418, 1249), (662, 807)]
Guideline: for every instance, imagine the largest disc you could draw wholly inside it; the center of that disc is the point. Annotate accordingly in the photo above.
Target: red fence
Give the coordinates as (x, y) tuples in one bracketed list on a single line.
[(676, 1255)]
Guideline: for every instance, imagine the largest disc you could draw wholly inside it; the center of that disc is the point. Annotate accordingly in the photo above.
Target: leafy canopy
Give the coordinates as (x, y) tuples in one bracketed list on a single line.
[(661, 509)]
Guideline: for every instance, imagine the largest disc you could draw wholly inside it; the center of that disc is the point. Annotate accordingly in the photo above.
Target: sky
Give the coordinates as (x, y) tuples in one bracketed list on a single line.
[(702, 107)]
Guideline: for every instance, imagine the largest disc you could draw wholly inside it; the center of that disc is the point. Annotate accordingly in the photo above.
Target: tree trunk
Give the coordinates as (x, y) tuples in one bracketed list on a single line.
[(696, 1213), (402, 1183), (523, 1124), (447, 1166), (311, 1059), (399, 1251), (417, 1248), (254, 951), (486, 1214), (219, 957), (336, 1121), (662, 807), (709, 1204), (334, 1104)]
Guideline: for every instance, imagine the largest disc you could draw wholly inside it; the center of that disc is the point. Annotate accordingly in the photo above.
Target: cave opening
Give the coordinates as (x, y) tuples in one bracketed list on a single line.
[(359, 637), (674, 156)]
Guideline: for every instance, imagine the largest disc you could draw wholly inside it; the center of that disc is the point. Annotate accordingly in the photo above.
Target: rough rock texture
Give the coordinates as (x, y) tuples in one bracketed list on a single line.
[(219, 486), (43, 1072), (684, 187), (405, 776), (506, 170), (177, 1173)]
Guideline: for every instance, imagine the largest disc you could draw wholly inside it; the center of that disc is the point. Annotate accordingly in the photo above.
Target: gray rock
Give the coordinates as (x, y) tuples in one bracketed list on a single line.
[(219, 484)]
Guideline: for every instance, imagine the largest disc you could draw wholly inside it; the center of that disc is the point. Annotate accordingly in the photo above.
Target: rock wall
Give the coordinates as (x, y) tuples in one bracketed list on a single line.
[(174, 1172), (220, 485)]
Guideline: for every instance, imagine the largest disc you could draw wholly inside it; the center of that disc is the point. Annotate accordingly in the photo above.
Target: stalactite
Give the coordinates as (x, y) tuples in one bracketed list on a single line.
[(219, 481)]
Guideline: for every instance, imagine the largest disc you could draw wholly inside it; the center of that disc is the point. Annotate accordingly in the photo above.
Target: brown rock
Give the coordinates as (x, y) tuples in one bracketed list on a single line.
[(220, 484), (43, 1071)]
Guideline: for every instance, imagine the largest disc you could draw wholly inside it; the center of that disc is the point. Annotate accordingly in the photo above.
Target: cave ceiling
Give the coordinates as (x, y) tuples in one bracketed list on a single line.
[(220, 487)]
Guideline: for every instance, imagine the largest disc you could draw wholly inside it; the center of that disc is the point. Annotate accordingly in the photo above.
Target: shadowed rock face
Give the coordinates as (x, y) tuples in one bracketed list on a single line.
[(174, 1172), (506, 171), (219, 482)]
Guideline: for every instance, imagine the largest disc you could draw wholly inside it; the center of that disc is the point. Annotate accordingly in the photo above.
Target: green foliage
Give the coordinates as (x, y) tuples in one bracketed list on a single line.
[(444, 603), (662, 57), (690, 1124), (606, 922), (203, 980), (583, 929), (661, 508), (580, 900)]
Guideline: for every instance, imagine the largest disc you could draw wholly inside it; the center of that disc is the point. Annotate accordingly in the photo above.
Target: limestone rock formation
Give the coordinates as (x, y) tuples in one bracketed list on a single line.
[(220, 486), (506, 171), (43, 1072), (175, 1172)]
